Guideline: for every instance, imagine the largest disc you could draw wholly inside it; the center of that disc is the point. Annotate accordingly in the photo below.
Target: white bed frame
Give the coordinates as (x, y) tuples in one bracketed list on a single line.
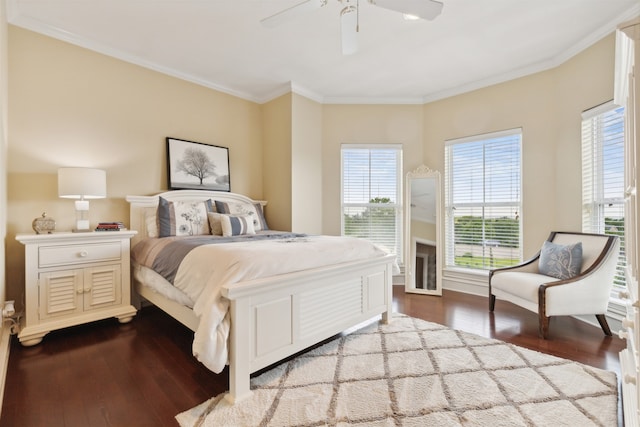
[(276, 317)]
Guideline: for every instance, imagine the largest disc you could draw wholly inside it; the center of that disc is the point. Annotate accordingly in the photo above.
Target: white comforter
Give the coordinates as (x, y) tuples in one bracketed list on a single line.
[(206, 269)]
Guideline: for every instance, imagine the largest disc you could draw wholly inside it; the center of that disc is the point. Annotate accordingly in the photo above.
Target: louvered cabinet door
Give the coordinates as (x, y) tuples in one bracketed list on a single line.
[(61, 293), (74, 278), (101, 287)]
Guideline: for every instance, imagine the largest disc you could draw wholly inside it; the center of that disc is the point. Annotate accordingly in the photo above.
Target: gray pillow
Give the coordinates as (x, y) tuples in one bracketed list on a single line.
[(560, 261)]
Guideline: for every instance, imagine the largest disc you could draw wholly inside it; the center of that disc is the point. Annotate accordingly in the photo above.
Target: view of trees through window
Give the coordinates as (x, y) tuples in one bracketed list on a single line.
[(364, 222), (492, 242), (603, 176), (482, 201), (371, 199)]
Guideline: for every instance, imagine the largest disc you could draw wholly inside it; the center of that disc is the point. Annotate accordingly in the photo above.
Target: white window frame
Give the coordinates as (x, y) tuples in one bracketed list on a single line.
[(398, 249), (594, 198), (486, 248)]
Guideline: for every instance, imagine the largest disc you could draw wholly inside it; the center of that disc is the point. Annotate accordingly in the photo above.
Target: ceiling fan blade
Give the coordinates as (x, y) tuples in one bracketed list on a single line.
[(425, 9), (292, 12), (349, 30)]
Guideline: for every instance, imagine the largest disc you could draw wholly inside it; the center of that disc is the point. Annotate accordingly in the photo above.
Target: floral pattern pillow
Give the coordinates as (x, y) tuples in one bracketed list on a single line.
[(183, 218), (560, 261)]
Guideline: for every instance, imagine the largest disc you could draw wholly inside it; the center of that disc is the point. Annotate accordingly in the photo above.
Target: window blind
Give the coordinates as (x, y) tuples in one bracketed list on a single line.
[(371, 194), (603, 176), (482, 200)]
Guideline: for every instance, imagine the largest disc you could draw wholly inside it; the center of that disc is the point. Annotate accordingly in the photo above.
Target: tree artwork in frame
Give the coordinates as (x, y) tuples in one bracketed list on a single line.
[(197, 166)]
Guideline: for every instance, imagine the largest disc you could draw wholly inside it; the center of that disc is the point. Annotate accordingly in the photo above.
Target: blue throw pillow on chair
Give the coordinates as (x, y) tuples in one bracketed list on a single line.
[(560, 261)]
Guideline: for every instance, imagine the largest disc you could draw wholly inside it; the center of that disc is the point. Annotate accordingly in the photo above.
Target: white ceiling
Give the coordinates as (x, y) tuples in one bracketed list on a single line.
[(222, 45)]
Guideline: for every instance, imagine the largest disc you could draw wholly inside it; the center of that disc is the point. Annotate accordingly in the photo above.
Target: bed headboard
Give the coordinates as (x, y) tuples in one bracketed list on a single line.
[(139, 205)]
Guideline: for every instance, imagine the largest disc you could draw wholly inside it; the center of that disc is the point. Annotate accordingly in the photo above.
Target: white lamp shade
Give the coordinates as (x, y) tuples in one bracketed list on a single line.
[(82, 183)]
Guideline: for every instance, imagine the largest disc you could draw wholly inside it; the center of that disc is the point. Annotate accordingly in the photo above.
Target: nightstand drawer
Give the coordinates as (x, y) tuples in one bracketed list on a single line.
[(51, 256)]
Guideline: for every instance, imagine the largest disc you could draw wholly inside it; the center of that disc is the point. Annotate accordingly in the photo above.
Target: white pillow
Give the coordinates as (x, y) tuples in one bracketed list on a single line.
[(236, 225), (214, 223), (151, 222)]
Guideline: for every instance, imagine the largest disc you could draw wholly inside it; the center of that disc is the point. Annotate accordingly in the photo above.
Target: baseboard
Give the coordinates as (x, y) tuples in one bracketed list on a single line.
[(5, 347)]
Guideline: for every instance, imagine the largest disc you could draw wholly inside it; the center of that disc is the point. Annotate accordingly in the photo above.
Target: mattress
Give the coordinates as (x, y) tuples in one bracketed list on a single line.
[(199, 269)]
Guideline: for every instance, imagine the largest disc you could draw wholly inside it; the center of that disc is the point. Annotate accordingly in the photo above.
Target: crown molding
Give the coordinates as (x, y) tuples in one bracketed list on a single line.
[(14, 17)]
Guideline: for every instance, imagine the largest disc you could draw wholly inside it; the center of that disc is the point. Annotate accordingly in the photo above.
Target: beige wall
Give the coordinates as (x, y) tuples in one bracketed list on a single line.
[(72, 107), (364, 124), (547, 106), (292, 136), (3, 147), (277, 137), (583, 82), (69, 106), (306, 166)]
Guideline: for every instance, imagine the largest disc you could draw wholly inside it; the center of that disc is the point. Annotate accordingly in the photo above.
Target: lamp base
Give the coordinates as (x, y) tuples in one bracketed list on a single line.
[(82, 217)]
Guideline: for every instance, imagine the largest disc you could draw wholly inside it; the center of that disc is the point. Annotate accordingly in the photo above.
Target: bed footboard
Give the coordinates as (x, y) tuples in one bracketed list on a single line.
[(272, 319)]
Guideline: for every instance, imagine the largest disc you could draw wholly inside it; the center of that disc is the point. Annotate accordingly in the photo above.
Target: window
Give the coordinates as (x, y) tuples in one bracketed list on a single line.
[(482, 201), (603, 176), (371, 194)]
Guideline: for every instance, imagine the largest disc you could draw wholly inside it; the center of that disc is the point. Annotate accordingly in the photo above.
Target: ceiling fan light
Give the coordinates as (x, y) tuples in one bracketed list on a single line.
[(425, 9)]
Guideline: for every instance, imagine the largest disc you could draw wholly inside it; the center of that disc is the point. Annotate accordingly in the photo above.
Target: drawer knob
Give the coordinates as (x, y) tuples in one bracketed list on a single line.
[(83, 254), (87, 289), (629, 379), (623, 334), (79, 291)]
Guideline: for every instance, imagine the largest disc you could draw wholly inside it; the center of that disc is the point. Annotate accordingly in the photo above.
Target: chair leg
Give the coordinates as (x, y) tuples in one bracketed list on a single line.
[(492, 302), (543, 326), (603, 324)]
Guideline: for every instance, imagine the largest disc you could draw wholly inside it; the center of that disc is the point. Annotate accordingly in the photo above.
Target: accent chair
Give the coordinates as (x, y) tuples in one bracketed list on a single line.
[(571, 275)]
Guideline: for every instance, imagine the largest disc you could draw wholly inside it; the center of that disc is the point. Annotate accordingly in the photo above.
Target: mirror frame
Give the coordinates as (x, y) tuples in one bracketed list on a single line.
[(410, 242)]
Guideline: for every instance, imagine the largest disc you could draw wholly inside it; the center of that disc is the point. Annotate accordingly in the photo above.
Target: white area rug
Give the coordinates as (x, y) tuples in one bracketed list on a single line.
[(417, 373)]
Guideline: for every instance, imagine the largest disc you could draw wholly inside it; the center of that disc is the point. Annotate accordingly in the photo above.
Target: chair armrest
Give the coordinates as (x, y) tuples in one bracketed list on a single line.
[(528, 266), (601, 270)]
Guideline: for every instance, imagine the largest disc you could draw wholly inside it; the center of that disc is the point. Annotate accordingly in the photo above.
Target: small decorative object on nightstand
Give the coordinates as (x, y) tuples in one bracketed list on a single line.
[(74, 278), (44, 224)]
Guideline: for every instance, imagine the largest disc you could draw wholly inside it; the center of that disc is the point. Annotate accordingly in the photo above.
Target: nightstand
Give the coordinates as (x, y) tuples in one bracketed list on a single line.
[(75, 278)]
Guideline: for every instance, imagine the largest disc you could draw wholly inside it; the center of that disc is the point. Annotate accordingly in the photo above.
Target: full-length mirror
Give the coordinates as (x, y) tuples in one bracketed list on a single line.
[(423, 242)]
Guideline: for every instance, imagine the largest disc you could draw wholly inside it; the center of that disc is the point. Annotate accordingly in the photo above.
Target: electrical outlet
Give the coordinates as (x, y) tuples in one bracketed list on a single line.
[(9, 309)]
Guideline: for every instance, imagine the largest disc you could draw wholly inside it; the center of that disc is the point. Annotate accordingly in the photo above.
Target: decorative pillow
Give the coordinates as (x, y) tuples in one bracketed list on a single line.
[(559, 261), (254, 210), (214, 223), (183, 218), (150, 222), (236, 225)]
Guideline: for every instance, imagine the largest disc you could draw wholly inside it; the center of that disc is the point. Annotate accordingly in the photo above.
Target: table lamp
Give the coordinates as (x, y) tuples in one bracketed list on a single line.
[(82, 184)]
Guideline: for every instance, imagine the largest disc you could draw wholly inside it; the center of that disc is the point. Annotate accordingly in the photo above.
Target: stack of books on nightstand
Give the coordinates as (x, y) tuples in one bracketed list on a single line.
[(110, 226)]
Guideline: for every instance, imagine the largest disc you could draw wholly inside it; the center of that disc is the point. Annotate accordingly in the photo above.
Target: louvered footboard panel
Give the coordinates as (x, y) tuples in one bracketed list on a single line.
[(332, 304)]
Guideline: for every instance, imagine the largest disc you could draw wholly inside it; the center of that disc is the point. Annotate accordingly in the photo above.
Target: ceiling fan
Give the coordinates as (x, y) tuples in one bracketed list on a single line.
[(349, 15)]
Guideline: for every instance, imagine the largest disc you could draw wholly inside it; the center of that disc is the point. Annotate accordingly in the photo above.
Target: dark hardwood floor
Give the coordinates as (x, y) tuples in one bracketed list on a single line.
[(143, 373)]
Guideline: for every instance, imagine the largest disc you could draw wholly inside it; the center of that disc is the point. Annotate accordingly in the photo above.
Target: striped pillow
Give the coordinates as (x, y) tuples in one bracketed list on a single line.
[(254, 210), (236, 225)]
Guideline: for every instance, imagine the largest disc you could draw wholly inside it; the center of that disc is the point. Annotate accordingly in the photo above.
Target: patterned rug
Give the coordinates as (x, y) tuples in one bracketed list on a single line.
[(417, 373)]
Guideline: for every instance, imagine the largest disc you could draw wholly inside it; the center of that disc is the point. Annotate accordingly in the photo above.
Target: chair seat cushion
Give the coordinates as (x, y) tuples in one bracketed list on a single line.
[(521, 284)]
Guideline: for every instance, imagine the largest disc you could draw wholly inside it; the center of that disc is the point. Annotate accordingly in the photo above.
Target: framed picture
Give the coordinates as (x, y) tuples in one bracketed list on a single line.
[(197, 166)]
